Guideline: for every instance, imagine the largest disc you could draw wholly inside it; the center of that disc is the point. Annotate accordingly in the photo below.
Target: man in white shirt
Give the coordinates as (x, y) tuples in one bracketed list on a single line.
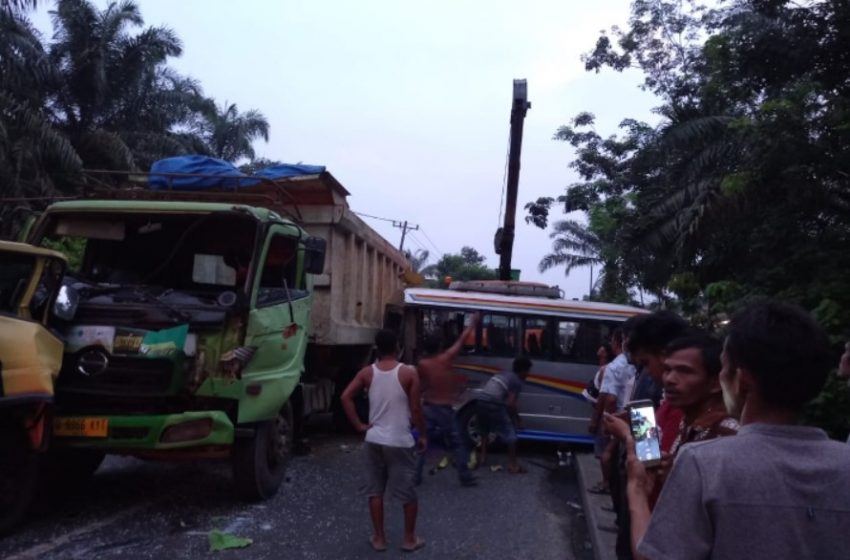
[(389, 448)]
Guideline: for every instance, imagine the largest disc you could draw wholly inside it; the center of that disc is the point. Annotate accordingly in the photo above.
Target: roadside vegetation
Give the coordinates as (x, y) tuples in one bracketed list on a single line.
[(99, 94), (741, 190)]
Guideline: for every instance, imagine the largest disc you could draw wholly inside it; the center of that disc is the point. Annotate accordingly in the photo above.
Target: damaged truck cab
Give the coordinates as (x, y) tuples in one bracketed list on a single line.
[(30, 358), (190, 332)]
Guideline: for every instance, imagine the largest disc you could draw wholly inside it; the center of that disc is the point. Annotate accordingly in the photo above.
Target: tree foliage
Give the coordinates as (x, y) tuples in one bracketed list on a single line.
[(741, 190), (469, 264), (418, 260), (99, 95)]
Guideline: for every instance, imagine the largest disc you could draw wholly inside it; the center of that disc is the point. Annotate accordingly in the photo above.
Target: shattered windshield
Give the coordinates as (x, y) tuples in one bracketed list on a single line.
[(156, 256)]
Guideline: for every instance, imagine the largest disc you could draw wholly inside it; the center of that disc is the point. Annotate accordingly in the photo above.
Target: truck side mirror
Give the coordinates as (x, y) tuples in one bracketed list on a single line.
[(314, 255), (67, 300)]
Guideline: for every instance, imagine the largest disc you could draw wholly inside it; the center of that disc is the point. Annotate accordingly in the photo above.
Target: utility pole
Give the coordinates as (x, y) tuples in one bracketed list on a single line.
[(404, 229), (505, 235)]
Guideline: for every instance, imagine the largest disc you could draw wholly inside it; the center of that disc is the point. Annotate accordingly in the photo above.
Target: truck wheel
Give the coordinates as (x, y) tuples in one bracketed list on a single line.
[(259, 462), (18, 476)]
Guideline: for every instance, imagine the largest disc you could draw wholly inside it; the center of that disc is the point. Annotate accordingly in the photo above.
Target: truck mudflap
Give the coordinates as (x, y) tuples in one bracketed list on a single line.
[(128, 434)]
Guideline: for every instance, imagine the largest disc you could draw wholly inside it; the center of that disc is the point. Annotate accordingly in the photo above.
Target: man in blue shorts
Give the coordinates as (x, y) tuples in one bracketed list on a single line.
[(497, 411)]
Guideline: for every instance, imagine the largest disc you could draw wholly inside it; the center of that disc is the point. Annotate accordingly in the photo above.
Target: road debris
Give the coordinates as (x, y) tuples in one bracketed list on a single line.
[(222, 541)]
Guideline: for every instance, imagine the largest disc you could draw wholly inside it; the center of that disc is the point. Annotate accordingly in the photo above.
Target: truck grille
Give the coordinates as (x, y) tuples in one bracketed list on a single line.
[(120, 376)]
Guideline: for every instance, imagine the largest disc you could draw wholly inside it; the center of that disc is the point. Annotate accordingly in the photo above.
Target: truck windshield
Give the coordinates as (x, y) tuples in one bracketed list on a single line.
[(187, 252), (15, 272)]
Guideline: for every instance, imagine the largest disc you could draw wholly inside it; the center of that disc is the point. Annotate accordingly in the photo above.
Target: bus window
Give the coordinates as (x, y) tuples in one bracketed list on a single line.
[(578, 340), (443, 328), (469, 340), (499, 335), (535, 336)]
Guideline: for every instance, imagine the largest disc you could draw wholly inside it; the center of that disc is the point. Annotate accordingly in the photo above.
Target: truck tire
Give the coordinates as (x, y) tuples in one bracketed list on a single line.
[(259, 462), (18, 477)]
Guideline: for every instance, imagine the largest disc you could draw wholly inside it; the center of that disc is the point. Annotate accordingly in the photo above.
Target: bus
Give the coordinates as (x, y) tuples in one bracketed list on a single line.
[(561, 337)]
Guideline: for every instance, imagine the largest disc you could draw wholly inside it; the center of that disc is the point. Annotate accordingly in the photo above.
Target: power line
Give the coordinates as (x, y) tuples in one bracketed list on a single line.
[(403, 225), (374, 217), (415, 240), (434, 245)]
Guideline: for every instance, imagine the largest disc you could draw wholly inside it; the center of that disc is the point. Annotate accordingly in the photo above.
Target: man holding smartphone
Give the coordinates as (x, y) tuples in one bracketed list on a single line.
[(692, 386), (648, 335), (776, 490)]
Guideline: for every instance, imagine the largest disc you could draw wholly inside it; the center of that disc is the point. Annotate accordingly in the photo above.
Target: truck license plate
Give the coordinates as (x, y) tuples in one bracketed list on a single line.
[(81, 427)]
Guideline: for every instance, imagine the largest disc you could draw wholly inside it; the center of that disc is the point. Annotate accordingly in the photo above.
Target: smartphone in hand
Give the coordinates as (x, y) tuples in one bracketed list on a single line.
[(645, 432)]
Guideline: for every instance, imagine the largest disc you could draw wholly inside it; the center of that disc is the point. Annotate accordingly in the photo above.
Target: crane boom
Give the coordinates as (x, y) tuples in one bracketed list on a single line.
[(505, 236)]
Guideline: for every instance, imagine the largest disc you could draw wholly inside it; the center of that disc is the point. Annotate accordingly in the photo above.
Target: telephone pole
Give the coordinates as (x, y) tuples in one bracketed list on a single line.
[(404, 229)]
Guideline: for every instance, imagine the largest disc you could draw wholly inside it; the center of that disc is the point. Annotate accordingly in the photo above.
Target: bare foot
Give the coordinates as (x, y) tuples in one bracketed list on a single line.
[(378, 544), (413, 546)]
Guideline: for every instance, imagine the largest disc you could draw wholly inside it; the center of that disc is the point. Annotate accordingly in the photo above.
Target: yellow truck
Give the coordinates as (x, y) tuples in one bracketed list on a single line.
[(31, 294)]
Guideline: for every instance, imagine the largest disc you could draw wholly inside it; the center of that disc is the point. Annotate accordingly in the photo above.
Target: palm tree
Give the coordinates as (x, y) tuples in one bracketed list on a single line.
[(703, 153), (117, 96), (32, 150), (18, 5), (417, 259), (575, 245), (230, 134)]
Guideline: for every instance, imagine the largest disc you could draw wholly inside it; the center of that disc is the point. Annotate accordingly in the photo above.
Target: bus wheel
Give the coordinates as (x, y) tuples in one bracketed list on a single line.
[(18, 477), (259, 462), (467, 421)]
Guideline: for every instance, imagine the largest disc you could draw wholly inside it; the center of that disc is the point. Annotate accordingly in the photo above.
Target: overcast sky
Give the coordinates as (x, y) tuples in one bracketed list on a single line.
[(408, 104)]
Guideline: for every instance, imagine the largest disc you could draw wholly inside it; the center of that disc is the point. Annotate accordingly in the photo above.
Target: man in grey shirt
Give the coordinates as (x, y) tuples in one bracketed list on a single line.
[(496, 409), (776, 490)]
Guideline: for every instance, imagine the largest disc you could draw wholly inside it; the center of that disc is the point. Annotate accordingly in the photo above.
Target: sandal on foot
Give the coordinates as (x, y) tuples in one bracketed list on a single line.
[(519, 469), (420, 542)]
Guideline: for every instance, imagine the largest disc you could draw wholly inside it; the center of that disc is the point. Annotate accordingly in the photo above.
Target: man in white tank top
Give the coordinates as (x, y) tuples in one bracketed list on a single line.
[(389, 448)]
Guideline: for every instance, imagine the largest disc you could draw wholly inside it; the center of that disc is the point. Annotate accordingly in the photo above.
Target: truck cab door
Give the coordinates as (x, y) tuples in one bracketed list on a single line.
[(277, 324), (30, 354)]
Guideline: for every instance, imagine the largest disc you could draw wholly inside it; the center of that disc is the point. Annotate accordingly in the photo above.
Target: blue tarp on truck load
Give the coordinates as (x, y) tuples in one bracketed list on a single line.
[(217, 173)]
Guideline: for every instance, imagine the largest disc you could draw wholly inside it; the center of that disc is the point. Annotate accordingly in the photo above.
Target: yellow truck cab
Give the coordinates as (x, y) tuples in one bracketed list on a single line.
[(31, 293)]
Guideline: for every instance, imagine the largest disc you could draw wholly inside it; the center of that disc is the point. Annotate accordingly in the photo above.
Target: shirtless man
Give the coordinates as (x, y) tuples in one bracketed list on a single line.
[(440, 393)]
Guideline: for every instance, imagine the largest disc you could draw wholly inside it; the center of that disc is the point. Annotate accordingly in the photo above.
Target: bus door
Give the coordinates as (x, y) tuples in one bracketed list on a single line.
[(571, 365)]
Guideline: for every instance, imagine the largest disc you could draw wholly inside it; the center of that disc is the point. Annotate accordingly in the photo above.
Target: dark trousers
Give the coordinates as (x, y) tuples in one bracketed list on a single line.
[(443, 428)]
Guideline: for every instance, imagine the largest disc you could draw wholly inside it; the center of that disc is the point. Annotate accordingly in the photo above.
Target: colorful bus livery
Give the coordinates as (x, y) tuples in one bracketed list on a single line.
[(560, 336)]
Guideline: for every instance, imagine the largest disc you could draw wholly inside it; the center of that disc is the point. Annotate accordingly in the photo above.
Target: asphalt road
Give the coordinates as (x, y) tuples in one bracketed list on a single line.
[(134, 509)]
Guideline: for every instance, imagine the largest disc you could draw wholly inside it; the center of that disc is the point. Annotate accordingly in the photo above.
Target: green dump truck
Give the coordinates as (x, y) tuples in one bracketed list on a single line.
[(190, 333)]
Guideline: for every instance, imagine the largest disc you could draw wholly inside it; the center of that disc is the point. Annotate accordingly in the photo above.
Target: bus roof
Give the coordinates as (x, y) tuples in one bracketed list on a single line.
[(476, 301)]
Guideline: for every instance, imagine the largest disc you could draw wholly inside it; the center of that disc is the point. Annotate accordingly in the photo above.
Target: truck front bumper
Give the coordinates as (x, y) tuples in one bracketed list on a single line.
[(184, 431)]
